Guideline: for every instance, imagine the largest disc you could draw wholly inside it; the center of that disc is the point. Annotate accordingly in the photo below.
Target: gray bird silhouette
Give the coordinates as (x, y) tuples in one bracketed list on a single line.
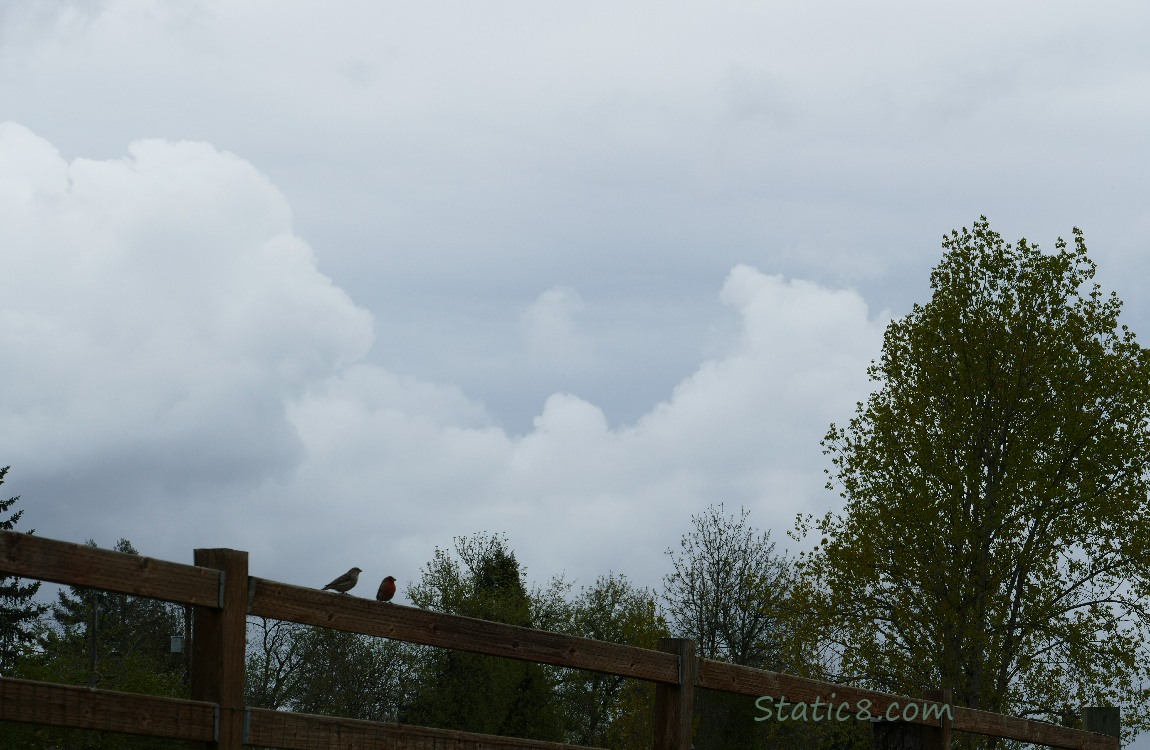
[(345, 582)]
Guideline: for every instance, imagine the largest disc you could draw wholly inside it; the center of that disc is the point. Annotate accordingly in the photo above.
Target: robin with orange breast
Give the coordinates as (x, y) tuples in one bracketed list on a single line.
[(386, 589)]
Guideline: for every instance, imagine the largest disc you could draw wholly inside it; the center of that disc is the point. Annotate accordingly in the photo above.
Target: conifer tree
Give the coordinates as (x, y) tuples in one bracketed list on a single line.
[(19, 612)]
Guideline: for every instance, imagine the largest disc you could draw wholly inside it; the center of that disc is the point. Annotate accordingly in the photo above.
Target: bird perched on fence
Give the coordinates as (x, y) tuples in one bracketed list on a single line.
[(386, 589), (345, 582)]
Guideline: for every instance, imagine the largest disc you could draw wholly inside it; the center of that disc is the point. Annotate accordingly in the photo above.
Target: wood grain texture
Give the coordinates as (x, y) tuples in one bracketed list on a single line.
[(746, 681), (219, 638), (105, 710), (292, 731), (32, 556), (282, 601), (675, 704), (939, 738), (1028, 730), (716, 675)]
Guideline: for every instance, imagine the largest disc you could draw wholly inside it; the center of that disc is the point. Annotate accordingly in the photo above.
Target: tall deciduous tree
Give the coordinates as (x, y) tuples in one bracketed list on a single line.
[(472, 692), (727, 590), (730, 592), (996, 533), (273, 660), (604, 710), (19, 612), (347, 674)]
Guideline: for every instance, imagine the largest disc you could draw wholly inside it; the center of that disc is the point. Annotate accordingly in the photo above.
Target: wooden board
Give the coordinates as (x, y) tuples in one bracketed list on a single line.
[(105, 710), (746, 681), (292, 731), (1028, 730), (31, 556), (282, 601)]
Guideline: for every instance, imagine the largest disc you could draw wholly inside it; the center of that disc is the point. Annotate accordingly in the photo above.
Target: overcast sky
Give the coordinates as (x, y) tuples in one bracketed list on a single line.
[(336, 282)]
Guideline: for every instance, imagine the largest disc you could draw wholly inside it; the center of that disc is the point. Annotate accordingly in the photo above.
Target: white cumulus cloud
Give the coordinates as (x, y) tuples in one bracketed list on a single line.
[(178, 371), (156, 314), (551, 332)]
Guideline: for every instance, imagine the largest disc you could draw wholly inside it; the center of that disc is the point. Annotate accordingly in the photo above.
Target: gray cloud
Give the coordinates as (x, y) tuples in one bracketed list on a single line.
[(313, 294), (197, 380)]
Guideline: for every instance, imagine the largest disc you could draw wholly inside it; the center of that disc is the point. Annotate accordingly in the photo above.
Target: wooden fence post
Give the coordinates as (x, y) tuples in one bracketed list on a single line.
[(904, 735), (938, 738), (218, 643), (896, 735), (675, 704), (1104, 720)]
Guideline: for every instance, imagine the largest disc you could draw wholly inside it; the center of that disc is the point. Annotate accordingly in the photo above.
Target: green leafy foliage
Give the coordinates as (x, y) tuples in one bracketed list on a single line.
[(727, 590), (472, 692), (994, 537), (110, 641), (347, 674), (733, 594), (603, 710), (114, 641)]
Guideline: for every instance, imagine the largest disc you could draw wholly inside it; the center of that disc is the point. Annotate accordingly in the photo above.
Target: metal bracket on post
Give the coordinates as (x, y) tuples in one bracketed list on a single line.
[(675, 704), (217, 663)]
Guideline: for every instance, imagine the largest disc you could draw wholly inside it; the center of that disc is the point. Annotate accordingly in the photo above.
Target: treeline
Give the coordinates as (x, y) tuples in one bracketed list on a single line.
[(727, 588)]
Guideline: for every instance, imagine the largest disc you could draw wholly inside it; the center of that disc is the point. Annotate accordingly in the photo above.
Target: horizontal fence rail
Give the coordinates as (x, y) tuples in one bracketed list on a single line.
[(223, 595), (281, 601), (82, 565), (1028, 730), (106, 710), (174, 718), (734, 678), (292, 731)]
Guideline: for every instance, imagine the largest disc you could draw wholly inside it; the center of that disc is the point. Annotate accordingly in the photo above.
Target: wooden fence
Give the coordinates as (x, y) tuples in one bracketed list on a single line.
[(222, 595)]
